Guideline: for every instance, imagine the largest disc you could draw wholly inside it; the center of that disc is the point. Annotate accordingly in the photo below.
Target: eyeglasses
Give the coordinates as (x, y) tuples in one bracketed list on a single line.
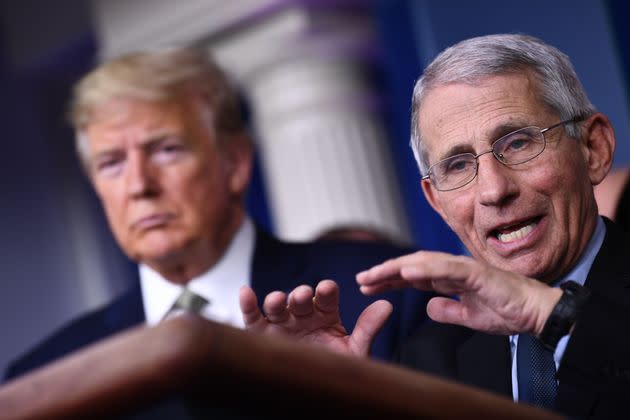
[(517, 147)]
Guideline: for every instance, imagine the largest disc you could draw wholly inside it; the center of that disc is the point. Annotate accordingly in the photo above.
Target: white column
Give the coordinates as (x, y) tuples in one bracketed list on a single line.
[(324, 148)]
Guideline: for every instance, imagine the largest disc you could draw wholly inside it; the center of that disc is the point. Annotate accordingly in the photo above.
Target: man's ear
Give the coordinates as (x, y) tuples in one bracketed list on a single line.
[(598, 146), (240, 156), (430, 193)]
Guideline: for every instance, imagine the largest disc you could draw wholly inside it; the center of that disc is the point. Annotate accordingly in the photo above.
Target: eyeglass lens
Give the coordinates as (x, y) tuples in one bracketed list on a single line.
[(517, 147)]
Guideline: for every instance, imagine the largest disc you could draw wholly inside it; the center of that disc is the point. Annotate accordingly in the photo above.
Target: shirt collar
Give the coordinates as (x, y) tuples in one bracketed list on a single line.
[(579, 272), (220, 284)]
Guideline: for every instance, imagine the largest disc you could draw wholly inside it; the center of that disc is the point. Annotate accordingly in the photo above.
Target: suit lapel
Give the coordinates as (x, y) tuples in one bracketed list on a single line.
[(610, 273), (484, 361), (125, 311)]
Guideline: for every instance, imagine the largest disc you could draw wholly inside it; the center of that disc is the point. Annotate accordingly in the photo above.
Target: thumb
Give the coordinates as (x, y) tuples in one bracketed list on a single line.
[(445, 310), (252, 317), (368, 325)]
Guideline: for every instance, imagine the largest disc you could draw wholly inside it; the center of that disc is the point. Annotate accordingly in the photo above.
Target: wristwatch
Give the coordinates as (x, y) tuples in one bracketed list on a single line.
[(564, 314)]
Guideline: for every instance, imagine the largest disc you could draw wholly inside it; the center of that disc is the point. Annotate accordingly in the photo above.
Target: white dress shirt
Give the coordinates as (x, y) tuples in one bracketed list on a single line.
[(219, 285)]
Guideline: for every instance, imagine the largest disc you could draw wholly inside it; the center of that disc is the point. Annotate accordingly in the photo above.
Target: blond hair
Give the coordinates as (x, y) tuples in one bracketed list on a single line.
[(156, 76)]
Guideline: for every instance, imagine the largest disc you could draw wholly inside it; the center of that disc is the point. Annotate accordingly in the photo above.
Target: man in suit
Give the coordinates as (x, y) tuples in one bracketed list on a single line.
[(510, 148), (161, 139)]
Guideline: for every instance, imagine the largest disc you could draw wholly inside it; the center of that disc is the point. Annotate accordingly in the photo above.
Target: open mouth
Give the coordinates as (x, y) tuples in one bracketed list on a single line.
[(516, 231)]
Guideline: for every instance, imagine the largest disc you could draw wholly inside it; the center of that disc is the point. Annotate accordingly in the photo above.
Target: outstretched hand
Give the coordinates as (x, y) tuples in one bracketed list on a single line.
[(313, 318), (488, 299)]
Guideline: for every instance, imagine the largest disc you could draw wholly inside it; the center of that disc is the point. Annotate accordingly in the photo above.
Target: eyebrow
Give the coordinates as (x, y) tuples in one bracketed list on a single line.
[(102, 154), (147, 143), (496, 133), (156, 139)]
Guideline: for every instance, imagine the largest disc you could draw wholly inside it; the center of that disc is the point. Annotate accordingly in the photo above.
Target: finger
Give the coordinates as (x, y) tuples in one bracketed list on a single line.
[(379, 273), (327, 296), (427, 271), (450, 270), (275, 307), (446, 310), (252, 317), (383, 287), (301, 301), (368, 325), (389, 272)]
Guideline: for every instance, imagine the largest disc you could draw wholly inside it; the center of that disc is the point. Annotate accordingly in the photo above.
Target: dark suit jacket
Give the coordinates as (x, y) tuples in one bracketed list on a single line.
[(276, 266), (594, 375)]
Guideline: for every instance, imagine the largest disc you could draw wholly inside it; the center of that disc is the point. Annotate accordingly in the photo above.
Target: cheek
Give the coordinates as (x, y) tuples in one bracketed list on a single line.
[(544, 180), (199, 193), (459, 211), (111, 202), (117, 219), (558, 177)]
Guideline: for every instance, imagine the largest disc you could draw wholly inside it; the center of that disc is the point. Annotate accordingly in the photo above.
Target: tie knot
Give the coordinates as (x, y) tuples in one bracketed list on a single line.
[(189, 301)]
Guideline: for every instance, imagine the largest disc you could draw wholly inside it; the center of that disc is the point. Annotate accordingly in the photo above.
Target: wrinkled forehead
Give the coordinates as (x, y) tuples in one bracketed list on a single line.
[(460, 117)]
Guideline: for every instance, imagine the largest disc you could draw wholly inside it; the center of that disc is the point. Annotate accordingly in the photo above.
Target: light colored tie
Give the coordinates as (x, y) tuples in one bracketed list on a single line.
[(188, 301)]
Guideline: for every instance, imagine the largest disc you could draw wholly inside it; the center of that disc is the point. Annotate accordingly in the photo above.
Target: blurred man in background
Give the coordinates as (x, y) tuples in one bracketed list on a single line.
[(162, 141)]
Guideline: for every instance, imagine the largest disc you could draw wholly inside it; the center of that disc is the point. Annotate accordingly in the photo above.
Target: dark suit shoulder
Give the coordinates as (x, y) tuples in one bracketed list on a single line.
[(119, 314), (269, 244), (363, 254), (315, 260), (433, 348)]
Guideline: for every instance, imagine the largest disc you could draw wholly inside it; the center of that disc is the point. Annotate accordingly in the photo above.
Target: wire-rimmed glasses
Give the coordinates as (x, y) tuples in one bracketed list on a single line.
[(517, 147)]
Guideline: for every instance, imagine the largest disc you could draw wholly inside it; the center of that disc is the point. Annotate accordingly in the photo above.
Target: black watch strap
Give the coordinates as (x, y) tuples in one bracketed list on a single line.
[(564, 314)]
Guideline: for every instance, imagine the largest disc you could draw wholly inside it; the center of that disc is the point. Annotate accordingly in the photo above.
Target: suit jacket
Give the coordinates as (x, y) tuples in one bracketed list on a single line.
[(276, 266), (594, 374)]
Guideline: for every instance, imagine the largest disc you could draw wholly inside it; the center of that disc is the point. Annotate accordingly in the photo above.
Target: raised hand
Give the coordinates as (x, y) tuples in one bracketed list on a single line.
[(313, 318), (486, 298)]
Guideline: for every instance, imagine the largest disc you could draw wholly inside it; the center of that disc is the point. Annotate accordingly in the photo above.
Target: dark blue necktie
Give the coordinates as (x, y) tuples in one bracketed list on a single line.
[(536, 373)]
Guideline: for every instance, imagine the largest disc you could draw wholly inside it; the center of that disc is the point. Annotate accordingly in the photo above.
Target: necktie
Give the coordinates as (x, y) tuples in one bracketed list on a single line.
[(536, 373), (188, 301)]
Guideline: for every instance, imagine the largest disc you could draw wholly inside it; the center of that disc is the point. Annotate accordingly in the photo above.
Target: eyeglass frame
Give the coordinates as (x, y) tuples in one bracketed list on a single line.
[(491, 150)]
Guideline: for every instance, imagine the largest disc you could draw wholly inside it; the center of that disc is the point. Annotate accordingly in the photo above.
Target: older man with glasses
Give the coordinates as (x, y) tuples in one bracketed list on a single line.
[(548, 284)]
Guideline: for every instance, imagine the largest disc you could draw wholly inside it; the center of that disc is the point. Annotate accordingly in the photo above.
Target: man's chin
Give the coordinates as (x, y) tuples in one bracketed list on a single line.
[(159, 254), (525, 265)]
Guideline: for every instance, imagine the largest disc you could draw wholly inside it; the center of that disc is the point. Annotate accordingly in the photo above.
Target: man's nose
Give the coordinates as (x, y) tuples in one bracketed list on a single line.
[(140, 178), (495, 183)]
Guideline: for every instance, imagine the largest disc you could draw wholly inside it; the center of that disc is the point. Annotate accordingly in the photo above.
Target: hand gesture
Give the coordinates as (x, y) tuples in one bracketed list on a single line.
[(486, 298), (313, 318)]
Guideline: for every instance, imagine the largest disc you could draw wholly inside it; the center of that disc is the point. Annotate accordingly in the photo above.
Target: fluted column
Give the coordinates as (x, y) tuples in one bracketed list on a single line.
[(324, 147)]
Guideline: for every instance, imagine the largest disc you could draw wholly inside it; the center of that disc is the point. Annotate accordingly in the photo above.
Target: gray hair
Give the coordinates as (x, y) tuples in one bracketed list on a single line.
[(156, 76), (473, 59)]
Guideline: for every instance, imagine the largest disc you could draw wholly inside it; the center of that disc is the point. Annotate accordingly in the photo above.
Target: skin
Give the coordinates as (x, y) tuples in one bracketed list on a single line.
[(503, 289), (171, 193)]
